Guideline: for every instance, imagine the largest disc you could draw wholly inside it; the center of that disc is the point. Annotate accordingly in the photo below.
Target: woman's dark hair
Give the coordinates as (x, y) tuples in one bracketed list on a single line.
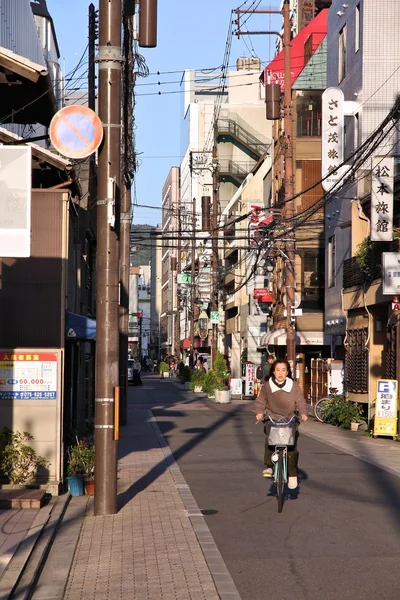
[(281, 362)]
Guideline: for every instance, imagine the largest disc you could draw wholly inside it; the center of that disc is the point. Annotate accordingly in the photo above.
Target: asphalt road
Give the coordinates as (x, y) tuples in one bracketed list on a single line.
[(338, 538)]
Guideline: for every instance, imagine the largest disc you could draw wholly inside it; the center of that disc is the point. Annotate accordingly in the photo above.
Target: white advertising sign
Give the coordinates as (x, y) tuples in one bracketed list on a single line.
[(15, 201), (391, 273), (332, 136), (382, 199), (28, 376), (236, 387)]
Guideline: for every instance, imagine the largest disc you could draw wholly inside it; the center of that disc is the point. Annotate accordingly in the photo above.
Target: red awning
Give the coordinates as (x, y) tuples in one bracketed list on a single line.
[(317, 29)]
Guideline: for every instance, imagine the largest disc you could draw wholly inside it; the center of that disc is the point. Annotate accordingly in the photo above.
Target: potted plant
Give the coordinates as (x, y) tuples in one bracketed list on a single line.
[(210, 383), (197, 380), (163, 369), (75, 469), (186, 376), (18, 460), (343, 413), (222, 392), (88, 458)]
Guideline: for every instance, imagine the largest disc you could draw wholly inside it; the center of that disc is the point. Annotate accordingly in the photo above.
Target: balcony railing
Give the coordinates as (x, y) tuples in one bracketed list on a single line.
[(354, 275)]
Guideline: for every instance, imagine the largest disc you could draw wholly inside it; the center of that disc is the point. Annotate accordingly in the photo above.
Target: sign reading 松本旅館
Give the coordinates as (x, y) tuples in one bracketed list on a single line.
[(382, 199)]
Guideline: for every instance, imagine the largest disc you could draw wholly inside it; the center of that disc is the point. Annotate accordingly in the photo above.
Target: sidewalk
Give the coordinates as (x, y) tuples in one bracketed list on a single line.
[(157, 546)]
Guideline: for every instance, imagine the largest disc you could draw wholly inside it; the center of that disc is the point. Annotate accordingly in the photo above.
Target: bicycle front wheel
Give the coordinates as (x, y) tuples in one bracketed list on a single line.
[(320, 408), (280, 482)]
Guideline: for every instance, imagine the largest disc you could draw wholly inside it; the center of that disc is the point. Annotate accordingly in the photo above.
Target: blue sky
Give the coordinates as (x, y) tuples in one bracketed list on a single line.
[(191, 35)]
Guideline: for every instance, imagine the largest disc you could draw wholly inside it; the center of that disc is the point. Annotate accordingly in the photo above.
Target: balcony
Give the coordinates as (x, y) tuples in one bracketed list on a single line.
[(353, 274)]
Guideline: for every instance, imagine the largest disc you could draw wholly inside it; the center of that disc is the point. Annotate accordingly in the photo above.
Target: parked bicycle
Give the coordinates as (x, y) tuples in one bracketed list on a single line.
[(281, 434), (322, 404)]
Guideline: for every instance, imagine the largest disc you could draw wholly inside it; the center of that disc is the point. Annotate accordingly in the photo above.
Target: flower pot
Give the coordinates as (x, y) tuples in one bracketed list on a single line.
[(198, 389), (89, 487), (165, 374), (75, 485), (354, 426), (222, 396)]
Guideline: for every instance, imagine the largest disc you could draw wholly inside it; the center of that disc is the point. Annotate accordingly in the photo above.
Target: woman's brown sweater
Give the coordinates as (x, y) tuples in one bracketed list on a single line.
[(280, 404)]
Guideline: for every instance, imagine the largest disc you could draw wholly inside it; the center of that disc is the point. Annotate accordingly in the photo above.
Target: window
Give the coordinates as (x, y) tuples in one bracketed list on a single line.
[(356, 131), (309, 114), (357, 33), (331, 261), (342, 53)]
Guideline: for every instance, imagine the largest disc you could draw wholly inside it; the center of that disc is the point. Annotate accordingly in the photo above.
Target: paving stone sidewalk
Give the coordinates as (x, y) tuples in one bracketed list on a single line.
[(158, 546)]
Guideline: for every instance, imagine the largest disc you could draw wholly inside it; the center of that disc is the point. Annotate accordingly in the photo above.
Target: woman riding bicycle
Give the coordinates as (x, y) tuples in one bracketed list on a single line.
[(279, 398)]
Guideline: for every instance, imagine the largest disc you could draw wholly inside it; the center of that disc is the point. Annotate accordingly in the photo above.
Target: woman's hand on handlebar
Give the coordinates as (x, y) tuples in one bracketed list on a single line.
[(259, 416), (304, 417)]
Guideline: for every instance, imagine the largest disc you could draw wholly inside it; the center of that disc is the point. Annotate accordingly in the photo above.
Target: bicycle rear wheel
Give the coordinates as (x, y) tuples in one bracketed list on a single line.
[(320, 408), (279, 481)]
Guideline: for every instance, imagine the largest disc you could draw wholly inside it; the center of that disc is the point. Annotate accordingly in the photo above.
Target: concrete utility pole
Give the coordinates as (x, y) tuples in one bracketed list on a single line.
[(214, 243), (128, 78), (290, 283), (107, 315)]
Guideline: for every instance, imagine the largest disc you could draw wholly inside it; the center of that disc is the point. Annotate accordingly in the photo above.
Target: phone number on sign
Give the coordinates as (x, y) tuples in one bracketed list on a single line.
[(27, 395)]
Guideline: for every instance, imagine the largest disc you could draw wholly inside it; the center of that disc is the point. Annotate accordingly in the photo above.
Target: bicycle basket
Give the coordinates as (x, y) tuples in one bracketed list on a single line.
[(281, 435)]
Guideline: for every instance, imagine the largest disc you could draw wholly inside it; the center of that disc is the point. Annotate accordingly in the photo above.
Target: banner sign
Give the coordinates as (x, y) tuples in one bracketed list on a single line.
[(332, 135), (382, 199), (28, 376), (391, 273)]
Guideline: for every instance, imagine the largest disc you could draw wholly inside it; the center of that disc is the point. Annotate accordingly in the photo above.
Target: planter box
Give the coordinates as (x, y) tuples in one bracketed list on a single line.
[(222, 396)]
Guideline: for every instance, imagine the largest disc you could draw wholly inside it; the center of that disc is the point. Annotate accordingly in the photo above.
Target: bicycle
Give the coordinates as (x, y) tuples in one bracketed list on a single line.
[(322, 404), (281, 434)]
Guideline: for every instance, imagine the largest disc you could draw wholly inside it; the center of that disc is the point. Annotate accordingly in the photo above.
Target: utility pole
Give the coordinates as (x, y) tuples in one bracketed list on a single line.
[(214, 243), (288, 183), (288, 210), (107, 340), (128, 81), (192, 271), (178, 295)]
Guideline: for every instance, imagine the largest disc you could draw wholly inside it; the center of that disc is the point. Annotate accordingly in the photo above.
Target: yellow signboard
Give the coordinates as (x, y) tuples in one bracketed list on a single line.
[(385, 422)]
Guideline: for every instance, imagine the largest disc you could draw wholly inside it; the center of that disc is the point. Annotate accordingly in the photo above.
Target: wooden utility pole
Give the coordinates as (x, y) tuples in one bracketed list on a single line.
[(290, 283), (107, 315)]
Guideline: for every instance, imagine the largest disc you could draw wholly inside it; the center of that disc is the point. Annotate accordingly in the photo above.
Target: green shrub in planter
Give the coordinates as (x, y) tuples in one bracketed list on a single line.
[(186, 374), (198, 379), (220, 369), (342, 412), (163, 367), (19, 461), (210, 382)]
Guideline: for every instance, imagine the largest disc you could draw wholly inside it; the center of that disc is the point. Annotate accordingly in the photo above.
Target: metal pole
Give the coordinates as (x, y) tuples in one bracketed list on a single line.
[(289, 203), (107, 339), (214, 299)]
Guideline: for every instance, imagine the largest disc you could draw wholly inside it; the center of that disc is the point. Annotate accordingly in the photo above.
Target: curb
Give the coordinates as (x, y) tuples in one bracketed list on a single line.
[(25, 565)]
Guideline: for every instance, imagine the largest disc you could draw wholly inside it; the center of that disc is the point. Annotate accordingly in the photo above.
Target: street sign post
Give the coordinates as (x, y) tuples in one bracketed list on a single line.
[(214, 316), (76, 131), (183, 278)]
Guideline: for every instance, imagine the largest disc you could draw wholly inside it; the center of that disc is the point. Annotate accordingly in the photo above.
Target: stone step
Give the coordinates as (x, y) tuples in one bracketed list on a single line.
[(22, 498)]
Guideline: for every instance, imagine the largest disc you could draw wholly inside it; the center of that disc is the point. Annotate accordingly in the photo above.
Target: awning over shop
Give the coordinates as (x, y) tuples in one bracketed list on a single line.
[(313, 35), (303, 338), (79, 327), (27, 94)]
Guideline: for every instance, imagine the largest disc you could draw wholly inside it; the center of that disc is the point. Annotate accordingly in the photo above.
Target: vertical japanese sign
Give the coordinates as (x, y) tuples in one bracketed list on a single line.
[(385, 422), (382, 199), (332, 136)]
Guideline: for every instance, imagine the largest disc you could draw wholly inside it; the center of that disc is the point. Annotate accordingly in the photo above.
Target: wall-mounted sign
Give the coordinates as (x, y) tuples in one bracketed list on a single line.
[(15, 201), (28, 376), (332, 136), (382, 199), (183, 278), (391, 273)]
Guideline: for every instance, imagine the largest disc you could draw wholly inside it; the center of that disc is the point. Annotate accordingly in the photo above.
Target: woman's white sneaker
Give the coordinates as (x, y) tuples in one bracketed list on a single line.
[(292, 483)]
